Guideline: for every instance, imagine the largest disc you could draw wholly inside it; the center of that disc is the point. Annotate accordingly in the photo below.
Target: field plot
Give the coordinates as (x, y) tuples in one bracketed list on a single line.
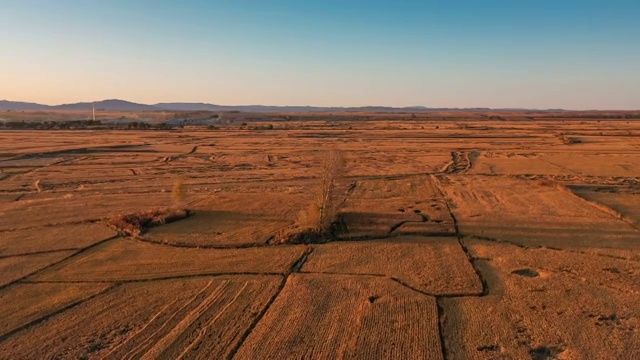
[(432, 265), (375, 159), (26, 303), (124, 259), (65, 237), (233, 219), (356, 318), (71, 176), (381, 208), (620, 201), (549, 303), (189, 318), (16, 267), (534, 213), (571, 162)]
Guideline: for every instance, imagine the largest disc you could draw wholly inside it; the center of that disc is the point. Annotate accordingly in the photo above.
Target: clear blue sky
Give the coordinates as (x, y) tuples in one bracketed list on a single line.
[(576, 54)]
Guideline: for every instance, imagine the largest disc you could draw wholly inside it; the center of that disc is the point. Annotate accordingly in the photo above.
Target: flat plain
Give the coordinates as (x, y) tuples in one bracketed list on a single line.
[(463, 235)]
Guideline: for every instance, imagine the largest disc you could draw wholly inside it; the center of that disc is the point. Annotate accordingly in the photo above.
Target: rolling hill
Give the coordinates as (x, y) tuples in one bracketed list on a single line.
[(123, 105)]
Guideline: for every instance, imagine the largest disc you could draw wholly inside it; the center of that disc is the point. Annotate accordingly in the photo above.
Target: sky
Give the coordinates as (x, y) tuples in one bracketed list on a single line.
[(571, 54)]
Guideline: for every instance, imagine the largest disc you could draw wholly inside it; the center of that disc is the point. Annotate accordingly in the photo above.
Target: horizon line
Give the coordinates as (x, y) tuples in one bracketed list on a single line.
[(416, 107)]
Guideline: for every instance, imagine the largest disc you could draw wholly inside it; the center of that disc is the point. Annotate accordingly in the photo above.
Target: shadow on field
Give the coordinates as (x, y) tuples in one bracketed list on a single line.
[(371, 225)]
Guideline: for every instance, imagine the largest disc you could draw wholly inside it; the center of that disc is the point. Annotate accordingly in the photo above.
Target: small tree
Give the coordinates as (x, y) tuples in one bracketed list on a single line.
[(332, 166), (314, 224), (177, 192)]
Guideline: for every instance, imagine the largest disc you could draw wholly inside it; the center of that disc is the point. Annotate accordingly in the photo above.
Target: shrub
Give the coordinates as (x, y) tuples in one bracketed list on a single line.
[(137, 223)]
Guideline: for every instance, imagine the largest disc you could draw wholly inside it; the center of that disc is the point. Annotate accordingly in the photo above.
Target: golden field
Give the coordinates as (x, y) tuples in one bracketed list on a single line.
[(461, 236)]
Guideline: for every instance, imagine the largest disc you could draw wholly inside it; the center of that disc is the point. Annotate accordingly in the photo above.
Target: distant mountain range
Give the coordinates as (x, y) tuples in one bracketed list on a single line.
[(17, 105), (111, 105), (122, 105)]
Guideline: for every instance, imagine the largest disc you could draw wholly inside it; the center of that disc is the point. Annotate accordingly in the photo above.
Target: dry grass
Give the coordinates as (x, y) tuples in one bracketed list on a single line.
[(137, 223)]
